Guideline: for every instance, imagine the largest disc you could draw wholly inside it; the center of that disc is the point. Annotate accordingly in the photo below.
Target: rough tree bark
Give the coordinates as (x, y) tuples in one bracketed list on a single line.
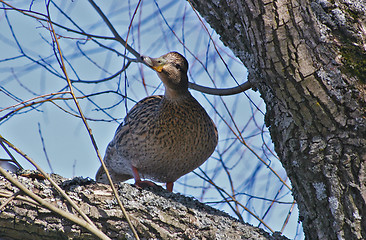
[(155, 213), (308, 60)]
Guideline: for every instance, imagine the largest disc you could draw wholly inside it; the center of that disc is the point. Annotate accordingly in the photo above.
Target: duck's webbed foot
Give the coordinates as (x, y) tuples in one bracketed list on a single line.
[(143, 184), (138, 182)]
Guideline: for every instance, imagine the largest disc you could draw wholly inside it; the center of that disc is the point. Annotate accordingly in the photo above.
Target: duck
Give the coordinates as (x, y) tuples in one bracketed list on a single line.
[(162, 137)]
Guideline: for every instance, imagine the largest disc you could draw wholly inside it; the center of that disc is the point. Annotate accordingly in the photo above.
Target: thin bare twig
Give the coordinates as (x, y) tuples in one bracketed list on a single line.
[(7, 201), (13, 160), (49, 98), (221, 190), (62, 65), (19, 196), (114, 31), (288, 216), (44, 147)]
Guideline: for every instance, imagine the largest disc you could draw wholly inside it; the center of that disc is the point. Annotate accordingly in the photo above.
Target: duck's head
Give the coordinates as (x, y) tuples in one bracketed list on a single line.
[(172, 70)]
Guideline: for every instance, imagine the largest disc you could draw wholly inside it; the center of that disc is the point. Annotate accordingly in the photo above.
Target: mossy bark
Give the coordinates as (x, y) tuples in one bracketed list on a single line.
[(307, 59)]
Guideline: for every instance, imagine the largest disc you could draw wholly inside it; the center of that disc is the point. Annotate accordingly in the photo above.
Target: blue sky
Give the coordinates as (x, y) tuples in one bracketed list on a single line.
[(30, 70)]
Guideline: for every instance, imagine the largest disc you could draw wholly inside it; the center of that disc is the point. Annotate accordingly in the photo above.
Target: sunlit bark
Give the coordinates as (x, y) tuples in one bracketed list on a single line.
[(308, 60), (155, 213)]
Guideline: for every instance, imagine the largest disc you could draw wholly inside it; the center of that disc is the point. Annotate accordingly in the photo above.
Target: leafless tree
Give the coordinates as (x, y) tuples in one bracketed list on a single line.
[(306, 59)]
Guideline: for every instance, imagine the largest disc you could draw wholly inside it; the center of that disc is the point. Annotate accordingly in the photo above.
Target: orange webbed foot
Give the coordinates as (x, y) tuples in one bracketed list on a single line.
[(144, 184), (138, 182)]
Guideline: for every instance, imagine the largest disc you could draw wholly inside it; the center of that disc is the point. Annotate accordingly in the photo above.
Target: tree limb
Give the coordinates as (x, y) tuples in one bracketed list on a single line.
[(156, 213), (221, 91), (51, 207)]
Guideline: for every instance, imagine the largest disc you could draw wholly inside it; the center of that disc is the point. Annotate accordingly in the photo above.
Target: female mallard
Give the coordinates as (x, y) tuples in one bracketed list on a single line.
[(162, 137)]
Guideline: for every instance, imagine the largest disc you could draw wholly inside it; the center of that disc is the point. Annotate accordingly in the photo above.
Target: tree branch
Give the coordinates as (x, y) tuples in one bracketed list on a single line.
[(156, 213), (221, 91), (51, 207)]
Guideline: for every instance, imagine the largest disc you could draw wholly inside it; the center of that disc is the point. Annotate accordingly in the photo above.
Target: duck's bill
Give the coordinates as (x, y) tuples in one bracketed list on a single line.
[(155, 63)]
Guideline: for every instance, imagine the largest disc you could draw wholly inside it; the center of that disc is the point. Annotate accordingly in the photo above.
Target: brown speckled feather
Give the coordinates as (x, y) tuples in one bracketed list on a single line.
[(163, 137)]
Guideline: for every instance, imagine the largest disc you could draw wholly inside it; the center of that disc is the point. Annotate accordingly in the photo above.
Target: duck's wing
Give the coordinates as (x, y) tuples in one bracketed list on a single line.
[(135, 121)]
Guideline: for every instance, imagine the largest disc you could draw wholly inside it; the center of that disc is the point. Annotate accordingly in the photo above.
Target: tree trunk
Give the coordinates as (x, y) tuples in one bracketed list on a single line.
[(155, 213), (308, 60)]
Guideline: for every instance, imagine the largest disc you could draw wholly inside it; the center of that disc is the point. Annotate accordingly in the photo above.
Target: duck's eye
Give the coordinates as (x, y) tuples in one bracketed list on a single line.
[(178, 66)]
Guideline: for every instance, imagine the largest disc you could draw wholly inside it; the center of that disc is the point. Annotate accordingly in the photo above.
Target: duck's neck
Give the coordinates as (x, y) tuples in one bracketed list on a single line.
[(176, 95)]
